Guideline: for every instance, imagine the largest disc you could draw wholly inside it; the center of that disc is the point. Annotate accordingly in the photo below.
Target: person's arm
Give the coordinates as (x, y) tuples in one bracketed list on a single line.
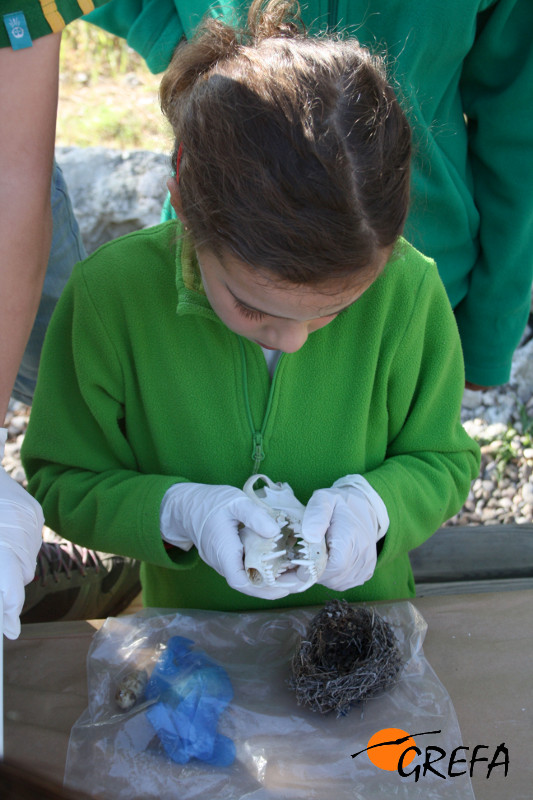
[(153, 28), (85, 469), (496, 86), (28, 109), (430, 461)]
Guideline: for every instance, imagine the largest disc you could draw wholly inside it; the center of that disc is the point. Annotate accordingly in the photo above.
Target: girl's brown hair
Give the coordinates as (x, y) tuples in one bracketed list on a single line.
[(295, 151)]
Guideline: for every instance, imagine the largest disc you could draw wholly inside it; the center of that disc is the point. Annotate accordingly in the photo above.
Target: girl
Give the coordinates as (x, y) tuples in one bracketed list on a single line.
[(283, 327)]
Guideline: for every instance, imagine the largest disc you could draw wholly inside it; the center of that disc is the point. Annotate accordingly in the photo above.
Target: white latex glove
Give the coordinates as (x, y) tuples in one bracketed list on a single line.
[(354, 517), (208, 516), (21, 524)]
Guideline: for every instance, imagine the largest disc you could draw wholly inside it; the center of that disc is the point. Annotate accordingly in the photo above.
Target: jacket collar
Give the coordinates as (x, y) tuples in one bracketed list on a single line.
[(191, 294)]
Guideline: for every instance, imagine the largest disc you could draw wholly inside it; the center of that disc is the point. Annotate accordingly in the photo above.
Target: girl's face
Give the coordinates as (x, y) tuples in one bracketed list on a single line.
[(277, 316)]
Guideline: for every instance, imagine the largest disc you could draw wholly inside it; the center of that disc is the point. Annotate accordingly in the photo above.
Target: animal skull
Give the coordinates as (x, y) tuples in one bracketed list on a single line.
[(266, 559)]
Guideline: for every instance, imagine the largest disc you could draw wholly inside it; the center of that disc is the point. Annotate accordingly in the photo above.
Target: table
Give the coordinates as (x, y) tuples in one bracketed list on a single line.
[(480, 646)]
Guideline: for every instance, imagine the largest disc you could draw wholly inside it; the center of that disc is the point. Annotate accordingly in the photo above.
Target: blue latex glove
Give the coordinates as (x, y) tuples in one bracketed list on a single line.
[(191, 692)]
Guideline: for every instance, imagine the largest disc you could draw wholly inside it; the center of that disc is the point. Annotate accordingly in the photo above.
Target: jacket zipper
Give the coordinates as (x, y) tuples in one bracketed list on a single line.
[(258, 452)]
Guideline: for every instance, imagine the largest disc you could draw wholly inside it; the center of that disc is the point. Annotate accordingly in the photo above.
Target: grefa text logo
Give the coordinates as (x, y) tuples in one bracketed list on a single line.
[(394, 749)]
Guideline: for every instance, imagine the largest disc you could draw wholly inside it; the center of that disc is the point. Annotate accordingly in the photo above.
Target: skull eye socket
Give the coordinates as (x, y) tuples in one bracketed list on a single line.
[(254, 575)]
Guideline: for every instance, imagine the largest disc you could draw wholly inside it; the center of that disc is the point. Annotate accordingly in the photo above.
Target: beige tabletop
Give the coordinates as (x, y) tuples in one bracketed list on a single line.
[(480, 646)]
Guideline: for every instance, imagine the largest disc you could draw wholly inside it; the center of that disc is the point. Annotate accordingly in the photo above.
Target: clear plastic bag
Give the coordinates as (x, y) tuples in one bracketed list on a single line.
[(283, 751)]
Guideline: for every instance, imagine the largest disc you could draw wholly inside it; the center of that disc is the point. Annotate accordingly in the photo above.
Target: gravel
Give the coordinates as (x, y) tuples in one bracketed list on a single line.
[(500, 419)]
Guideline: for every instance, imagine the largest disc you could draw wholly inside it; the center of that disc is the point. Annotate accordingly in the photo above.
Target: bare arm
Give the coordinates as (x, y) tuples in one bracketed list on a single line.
[(28, 109)]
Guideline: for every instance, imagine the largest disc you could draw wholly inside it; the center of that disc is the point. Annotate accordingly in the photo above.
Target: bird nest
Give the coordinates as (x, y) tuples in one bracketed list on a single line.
[(347, 655)]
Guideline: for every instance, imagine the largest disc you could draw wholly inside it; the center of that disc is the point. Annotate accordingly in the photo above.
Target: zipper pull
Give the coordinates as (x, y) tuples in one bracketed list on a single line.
[(257, 450)]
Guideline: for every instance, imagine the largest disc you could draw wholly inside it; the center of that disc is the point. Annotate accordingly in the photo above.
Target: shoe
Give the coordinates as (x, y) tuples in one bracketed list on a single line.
[(72, 582)]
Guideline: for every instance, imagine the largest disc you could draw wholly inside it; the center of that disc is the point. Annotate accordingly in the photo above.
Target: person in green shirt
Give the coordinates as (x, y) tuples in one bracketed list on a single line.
[(465, 71), (283, 325), (41, 243)]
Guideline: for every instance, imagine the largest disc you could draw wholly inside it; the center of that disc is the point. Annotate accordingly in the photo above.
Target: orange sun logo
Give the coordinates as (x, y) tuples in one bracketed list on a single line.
[(386, 746)]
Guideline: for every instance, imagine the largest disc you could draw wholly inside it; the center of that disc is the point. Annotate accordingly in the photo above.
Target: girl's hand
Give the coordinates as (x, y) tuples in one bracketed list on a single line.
[(353, 518), (209, 517)]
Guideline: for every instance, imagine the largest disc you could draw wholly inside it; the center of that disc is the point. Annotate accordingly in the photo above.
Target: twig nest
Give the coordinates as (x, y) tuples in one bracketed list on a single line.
[(348, 655)]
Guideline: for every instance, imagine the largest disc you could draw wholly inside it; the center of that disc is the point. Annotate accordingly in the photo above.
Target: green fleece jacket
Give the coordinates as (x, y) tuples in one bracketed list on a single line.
[(141, 386), (472, 204)]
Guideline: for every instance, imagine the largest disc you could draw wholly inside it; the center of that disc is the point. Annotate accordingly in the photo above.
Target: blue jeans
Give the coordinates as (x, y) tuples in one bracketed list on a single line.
[(66, 250)]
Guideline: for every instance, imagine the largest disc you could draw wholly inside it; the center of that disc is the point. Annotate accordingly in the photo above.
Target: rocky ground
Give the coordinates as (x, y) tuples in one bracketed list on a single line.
[(501, 420)]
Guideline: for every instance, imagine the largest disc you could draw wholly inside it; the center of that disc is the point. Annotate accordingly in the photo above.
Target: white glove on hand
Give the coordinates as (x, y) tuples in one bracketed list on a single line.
[(21, 523), (208, 516), (354, 517)]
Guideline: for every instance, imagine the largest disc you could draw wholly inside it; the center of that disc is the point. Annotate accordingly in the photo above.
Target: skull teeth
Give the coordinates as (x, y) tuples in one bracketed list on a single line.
[(266, 559)]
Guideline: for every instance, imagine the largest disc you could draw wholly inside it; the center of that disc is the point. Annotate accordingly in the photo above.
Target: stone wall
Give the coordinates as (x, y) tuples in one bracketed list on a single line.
[(113, 192)]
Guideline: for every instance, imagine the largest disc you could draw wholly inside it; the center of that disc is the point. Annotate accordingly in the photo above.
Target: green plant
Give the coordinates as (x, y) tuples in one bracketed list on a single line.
[(107, 95), (526, 421), (91, 50), (504, 455)]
